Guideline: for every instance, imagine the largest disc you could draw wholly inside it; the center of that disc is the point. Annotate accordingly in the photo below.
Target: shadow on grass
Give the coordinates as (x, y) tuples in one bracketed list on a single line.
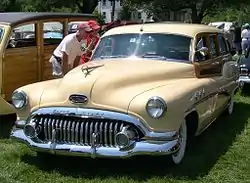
[(203, 154), (6, 124), (245, 91)]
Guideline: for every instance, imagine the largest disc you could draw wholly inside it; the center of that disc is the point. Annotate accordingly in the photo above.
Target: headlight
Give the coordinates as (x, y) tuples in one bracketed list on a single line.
[(19, 99), (156, 107), (243, 65)]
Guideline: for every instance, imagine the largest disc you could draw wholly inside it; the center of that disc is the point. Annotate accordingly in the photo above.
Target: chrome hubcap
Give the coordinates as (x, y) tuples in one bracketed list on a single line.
[(177, 158)]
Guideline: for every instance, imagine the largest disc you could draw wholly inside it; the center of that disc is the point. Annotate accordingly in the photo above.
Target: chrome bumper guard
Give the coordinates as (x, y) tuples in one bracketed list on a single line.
[(153, 143)]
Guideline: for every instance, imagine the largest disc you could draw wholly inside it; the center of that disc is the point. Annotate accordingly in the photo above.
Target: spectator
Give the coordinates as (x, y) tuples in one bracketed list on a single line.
[(67, 55), (236, 30), (245, 35), (92, 41)]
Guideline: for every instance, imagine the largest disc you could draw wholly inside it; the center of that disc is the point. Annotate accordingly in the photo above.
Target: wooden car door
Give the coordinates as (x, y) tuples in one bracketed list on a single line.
[(20, 66), (208, 68), (52, 35)]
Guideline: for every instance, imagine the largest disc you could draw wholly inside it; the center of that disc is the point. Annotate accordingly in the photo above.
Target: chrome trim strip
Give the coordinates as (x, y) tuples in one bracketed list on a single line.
[(103, 114), (139, 148), (244, 79)]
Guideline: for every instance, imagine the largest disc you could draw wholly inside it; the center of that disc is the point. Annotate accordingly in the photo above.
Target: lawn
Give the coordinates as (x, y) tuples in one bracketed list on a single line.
[(220, 154)]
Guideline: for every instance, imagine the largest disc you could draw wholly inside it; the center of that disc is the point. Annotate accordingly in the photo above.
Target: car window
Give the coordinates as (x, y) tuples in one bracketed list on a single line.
[(212, 45), (52, 33), (23, 36), (1, 33), (200, 43), (148, 45), (72, 26), (223, 44)]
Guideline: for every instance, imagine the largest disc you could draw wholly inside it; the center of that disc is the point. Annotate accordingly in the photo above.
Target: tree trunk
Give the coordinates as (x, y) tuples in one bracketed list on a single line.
[(194, 15), (86, 6), (113, 11)]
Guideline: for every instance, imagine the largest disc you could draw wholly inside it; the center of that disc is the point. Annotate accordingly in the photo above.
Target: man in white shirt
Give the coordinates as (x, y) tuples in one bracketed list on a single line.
[(68, 53), (245, 35)]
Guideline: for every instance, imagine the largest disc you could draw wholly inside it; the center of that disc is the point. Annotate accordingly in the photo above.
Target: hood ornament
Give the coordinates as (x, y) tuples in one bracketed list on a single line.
[(87, 69), (78, 99)]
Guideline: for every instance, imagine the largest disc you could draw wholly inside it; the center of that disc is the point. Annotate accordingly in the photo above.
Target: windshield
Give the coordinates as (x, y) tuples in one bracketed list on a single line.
[(1, 33), (153, 46)]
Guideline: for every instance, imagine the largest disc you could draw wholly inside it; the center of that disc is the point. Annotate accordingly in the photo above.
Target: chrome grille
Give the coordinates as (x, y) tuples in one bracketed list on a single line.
[(244, 72), (76, 130)]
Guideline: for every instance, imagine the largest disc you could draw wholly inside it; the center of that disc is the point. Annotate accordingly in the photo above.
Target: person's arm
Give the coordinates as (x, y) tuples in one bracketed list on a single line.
[(65, 61), (77, 61)]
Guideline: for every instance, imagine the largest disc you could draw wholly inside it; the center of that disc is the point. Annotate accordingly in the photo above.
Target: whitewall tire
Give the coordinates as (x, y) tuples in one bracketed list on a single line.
[(179, 156), (230, 107)]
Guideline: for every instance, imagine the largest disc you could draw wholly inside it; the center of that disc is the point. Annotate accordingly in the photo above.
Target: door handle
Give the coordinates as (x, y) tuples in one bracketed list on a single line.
[(216, 63)]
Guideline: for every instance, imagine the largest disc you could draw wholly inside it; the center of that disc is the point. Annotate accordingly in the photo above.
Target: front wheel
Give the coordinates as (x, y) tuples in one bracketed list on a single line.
[(230, 107), (179, 156)]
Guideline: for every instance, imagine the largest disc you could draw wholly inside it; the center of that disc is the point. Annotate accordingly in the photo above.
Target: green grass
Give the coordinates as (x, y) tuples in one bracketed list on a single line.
[(220, 154)]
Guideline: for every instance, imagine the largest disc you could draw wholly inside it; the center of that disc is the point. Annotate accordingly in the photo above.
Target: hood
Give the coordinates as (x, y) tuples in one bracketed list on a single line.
[(114, 83)]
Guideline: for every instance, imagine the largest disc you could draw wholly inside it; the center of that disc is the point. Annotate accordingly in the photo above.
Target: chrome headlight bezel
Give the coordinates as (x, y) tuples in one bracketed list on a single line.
[(156, 107), (20, 97)]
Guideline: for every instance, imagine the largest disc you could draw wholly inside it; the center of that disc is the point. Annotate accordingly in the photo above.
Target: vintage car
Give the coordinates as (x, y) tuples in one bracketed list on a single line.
[(146, 91), (244, 64), (27, 41)]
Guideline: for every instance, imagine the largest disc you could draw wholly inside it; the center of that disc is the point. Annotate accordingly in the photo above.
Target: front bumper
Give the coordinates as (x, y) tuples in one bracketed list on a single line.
[(145, 147), (244, 80)]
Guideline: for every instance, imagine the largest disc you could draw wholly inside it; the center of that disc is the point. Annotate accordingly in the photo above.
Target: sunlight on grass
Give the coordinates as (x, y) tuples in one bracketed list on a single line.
[(220, 154)]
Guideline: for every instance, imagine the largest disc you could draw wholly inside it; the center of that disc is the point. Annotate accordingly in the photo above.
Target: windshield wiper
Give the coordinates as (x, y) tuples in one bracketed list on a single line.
[(153, 55), (113, 56)]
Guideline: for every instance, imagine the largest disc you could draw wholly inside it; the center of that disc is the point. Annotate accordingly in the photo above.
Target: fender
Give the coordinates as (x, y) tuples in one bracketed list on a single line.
[(5, 107)]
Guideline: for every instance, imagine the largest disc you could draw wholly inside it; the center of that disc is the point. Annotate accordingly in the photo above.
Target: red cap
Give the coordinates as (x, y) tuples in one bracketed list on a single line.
[(85, 27), (93, 24)]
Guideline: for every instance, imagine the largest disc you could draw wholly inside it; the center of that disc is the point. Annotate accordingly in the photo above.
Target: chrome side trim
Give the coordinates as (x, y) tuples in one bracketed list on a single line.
[(103, 114)]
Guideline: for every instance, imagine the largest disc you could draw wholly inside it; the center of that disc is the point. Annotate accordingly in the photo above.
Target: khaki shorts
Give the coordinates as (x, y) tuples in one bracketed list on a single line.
[(56, 67)]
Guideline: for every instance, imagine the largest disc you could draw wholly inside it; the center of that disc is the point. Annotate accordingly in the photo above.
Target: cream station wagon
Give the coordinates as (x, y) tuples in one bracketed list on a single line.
[(147, 89)]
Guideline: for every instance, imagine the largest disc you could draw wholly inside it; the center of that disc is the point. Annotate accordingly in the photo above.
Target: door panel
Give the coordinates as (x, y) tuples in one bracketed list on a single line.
[(20, 68), (52, 36)]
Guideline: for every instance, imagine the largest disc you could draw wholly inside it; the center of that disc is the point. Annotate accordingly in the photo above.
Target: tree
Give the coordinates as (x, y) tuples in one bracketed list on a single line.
[(86, 6), (198, 8)]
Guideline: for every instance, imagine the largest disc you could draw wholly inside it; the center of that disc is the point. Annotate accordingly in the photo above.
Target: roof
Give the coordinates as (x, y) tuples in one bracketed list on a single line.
[(14, 18), (186, 29)]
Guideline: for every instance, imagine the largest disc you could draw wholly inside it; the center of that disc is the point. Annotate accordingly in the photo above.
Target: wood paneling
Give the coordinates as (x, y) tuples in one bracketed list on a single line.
[(20, 68)]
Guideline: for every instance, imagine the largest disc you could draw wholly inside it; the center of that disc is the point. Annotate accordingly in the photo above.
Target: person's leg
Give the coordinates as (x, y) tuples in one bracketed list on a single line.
[(56, 68), (244, 45)]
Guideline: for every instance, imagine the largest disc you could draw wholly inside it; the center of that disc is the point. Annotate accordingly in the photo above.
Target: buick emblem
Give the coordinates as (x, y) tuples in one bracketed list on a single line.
[(78, 99)]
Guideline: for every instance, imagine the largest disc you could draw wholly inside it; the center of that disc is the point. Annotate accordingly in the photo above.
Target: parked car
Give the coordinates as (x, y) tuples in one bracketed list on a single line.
[(244, 63), (27, 41), (147, 90)]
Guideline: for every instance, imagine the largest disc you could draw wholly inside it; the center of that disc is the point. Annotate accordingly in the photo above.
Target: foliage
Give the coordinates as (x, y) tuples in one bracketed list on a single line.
[(100, 17), (241, 15), (83, 6), (198, 8)]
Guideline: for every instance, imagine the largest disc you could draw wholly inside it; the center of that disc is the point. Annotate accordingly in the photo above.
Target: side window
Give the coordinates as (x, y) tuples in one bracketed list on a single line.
[(200, 43), (223, 45), (52, 33), (212, 46), (23, 36)]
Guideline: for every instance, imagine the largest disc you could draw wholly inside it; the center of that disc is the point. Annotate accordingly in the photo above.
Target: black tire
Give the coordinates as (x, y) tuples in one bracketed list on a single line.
[(6, 124)]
